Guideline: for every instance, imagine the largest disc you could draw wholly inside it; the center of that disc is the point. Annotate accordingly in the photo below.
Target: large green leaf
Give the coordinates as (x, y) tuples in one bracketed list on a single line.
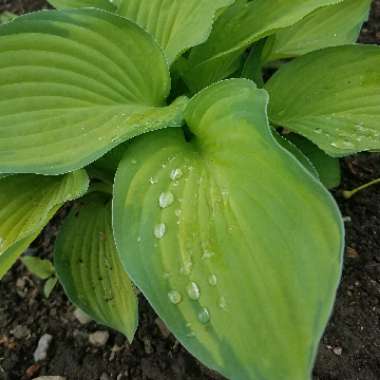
[(177, 25), (89, 268), (332, 25), (332, 97), (27, 203), (67, 4), (236, 246), (236, 29), (74, 84)]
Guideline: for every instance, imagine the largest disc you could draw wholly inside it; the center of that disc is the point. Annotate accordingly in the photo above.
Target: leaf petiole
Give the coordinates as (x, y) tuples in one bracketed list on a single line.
[(347, 194)]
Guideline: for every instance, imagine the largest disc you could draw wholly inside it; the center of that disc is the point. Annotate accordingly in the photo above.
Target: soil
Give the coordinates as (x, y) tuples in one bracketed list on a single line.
[(349, 350)]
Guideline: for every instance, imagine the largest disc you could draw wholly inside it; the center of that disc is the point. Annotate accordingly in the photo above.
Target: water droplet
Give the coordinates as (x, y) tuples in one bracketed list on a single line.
[(204, 316), (222, 303), (166, 199), (178, 212), (193, 291), (134, 162), (139, 239), (166, 275), (207, 254), (153, 181), (318, 131), (174, 297), (159, 230), (212, 280), (176, 174)]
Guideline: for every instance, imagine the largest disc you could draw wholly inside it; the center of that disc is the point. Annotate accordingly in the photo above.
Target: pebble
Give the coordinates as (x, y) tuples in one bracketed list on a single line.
[(82, 317), (50, 378), (104, 376), (42, 348), (20, 332), (338, 351), (99, 338)]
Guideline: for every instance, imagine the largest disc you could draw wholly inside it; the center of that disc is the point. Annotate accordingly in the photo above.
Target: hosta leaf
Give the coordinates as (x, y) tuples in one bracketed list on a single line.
[(236, 246), (73, 85), (332, 97), (27, 203), (67, 4), (177, 25), (333, 25), (89, 268), (328, 168), (238, 28)]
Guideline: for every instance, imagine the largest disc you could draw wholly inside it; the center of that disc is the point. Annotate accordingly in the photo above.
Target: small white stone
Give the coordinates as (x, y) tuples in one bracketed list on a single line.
[(99, 338), (81, 316), (50, 378), (42, 348)]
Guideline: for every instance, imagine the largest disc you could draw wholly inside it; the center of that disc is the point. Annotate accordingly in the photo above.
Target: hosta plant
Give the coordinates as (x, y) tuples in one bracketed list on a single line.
[(201, 137)]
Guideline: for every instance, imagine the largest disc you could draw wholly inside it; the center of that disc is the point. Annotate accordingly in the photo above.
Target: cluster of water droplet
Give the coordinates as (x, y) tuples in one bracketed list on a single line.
[(192, 290)]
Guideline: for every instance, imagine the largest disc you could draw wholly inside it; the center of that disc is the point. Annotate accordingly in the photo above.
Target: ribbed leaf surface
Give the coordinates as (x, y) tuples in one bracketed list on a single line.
[(238, 28), (332, 97), (74, 84), (177, 25), (332, 25), (27, 203), (236, 246), (89, 268)]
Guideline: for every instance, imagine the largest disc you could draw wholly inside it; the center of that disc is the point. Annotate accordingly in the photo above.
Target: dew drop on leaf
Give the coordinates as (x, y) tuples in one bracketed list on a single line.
[(204, 316), (174, 297), (166, 199), (153, 181), (159, 230), (193, 291), (176, 174)]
